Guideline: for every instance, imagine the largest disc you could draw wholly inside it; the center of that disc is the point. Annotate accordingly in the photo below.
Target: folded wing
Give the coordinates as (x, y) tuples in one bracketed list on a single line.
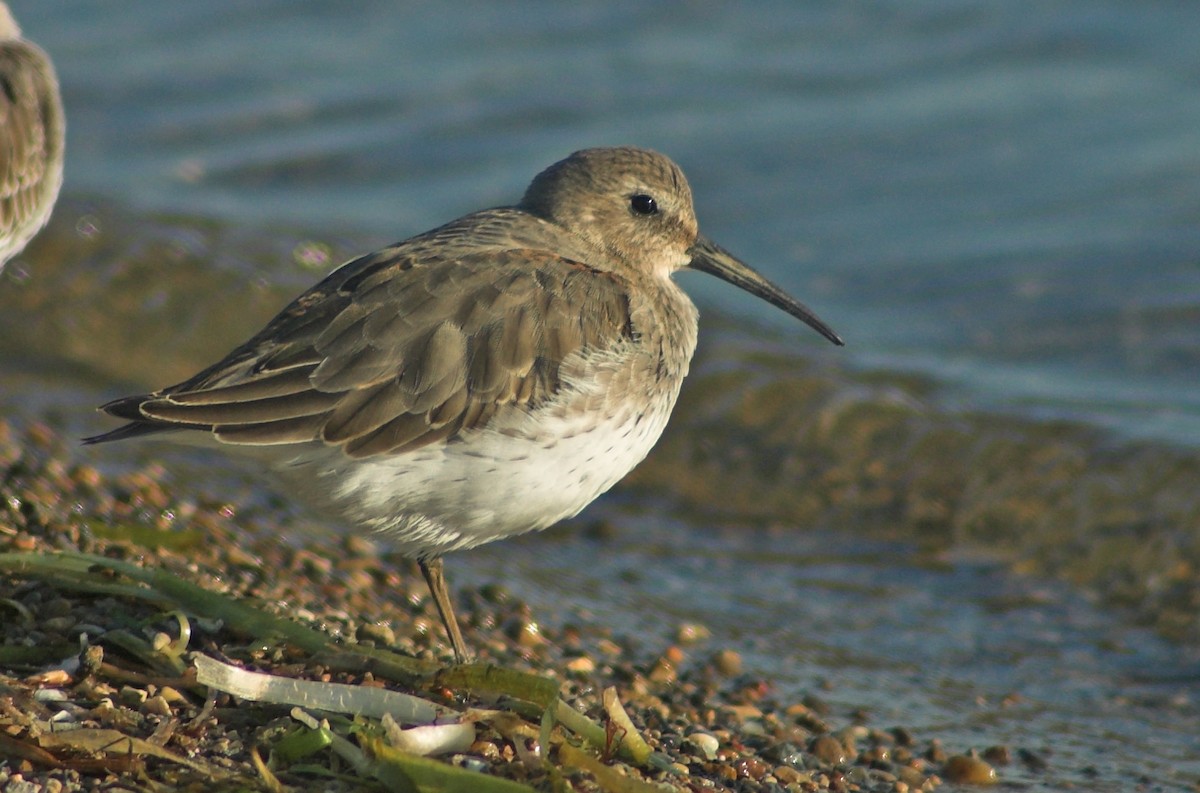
[(391, 353)]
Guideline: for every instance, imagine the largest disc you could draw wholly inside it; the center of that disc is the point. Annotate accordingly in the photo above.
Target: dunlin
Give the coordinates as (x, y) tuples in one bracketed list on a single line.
[(32, 134), (484, 379)]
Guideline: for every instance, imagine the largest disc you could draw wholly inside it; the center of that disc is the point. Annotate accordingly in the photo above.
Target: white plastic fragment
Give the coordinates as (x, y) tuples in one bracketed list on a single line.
[(430, 740), (336, 697)]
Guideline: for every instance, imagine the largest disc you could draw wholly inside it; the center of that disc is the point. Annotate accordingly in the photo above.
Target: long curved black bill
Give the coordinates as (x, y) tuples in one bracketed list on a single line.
[(709, 257)]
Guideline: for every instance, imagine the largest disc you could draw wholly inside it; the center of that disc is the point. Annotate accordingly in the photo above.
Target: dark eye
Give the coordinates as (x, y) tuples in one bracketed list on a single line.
[(643, 204)]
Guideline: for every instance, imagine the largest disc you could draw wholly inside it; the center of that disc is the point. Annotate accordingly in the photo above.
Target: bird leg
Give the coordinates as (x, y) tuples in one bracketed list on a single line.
[(435, 577)]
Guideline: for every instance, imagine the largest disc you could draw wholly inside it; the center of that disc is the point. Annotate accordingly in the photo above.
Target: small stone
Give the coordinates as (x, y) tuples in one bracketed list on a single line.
[(877, 755), (744, 712), (692, 632), (18, 785), (525, 632), (58, 607), (962, 769), (935, 752), (156, 706), (90, 660), (828, 749), (58, 624), (997, 755), (132, 697), (706, 744), (728, 663), (663, 671), (358, 580), (857, 776), (582, 665), (608, 647), (752, 768), (379, 632), (485, 749), (911, 776), (496, 594), (1032, 760), (171, 695), (790, 776)]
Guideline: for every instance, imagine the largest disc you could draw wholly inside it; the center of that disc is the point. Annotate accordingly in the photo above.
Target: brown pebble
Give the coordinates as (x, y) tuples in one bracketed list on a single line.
[(527, 633), (581, 665), (379, 632), (90, 660), (171, 695), (743, 712), (752, 768), (935, 752), (997, 755), (608, 647), (828, 749), (156, 706), (877, 754), (358, 580), (962, 769), (728, 663), (663, 671), (790, 776), (485, 749)]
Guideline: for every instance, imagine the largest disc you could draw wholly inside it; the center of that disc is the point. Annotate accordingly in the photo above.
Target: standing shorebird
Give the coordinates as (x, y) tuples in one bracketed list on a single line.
[(32, 136), (484, 379)]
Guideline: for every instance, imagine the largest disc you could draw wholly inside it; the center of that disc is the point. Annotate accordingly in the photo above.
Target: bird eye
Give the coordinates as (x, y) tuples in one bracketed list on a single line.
[(643, 204)]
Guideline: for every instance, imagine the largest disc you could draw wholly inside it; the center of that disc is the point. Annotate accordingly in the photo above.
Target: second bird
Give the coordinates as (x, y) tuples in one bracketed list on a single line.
[(32, 138), (484, 379)]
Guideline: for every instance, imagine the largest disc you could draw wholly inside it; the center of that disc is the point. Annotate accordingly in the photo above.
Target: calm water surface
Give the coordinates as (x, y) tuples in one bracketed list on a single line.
[(1003, 196)]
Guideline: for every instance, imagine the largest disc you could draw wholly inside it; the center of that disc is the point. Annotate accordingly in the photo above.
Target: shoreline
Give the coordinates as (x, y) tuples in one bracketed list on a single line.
[(717, 728)]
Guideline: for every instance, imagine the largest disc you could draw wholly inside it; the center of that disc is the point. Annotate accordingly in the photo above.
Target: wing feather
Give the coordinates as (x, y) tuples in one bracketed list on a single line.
[(401, 349)]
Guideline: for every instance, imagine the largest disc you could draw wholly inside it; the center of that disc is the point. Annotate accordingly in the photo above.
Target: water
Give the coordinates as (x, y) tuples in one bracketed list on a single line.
[(1000, 196), (958, 652)]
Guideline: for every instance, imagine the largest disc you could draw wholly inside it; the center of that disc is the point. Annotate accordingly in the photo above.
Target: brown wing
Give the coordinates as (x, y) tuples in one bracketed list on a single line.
[(392, 353), (31, 139)]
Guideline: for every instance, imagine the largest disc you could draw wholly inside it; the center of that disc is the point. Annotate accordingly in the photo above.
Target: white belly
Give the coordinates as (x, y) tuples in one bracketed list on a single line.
[(490, 484)]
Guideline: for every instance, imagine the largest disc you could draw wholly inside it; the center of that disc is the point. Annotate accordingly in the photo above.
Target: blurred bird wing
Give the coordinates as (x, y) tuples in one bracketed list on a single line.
[(31, 122), (391, 353)]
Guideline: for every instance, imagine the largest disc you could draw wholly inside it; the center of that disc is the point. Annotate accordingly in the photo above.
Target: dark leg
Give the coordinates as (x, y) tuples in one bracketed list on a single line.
[(435, 577)]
